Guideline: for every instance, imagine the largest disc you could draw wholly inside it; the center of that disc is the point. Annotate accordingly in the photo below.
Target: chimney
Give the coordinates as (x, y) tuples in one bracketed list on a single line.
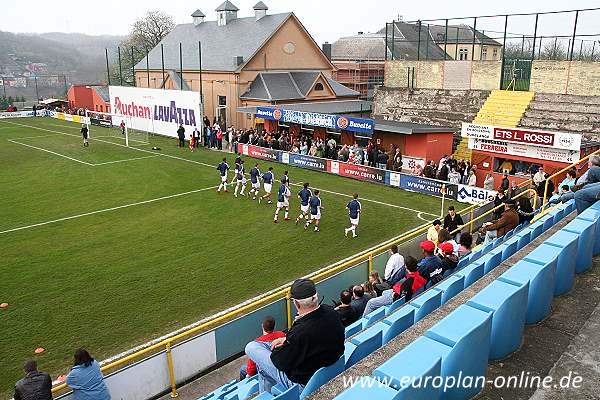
[(198, 17), (260, 10), (327, 50), (238, 60), (226, 12), (360, 32)]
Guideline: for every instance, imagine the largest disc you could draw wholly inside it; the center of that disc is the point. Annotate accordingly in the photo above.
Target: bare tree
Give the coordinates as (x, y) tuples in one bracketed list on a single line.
[(146, 33), (553, 50)]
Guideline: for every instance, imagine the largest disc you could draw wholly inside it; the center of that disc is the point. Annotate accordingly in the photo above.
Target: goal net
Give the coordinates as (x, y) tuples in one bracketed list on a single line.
[(119, 127)]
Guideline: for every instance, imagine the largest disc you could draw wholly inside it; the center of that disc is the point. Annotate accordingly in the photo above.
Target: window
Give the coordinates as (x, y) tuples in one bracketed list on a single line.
[(484, 53), (319, 87), (495, 54), (463, 54)]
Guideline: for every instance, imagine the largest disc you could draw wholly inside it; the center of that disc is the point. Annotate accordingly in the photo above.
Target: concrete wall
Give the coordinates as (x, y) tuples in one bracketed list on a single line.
[(564, 77), (455, 75)]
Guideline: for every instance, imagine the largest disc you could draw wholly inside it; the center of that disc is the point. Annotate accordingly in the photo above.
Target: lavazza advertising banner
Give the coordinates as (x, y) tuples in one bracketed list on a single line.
[(156, 110)]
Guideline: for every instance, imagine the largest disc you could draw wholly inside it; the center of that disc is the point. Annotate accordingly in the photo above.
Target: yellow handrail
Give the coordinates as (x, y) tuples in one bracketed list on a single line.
[(560, 172), (280, 294)]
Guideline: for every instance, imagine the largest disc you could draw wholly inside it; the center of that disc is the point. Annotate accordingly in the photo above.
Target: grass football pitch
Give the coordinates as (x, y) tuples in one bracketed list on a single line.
[(106, 247)]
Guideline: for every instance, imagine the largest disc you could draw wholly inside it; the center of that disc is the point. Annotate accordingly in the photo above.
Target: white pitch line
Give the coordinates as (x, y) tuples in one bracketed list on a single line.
[(52, 152), (138, 203), (212, 166), (128, 159), (34, 137)]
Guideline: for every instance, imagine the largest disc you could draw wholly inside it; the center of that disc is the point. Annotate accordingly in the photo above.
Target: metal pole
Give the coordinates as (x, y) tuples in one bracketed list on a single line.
[(419, 41), (288, 305), (180, 68), (393, 31), (554, 51), (107, 68), (37, 95), (171, 371), (147, 68), (456, 46), (133, 67), (522, 46), (534, 37), (580, 49), (120, 68), (445, 39), (386, 40), (574, 32), (593, 48), (3, 86), (474, 37), (162, 63), (503, 47), (200, 73), (427, 44), (540, 49), (65, 79)]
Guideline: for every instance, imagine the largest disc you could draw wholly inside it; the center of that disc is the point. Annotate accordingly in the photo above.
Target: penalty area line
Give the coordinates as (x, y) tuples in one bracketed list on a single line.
[(138, 203)]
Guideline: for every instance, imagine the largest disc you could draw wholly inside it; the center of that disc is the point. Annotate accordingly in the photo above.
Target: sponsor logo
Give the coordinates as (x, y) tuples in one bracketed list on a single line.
[(566, 140), (342, 122), (277, 114), (361, 125)]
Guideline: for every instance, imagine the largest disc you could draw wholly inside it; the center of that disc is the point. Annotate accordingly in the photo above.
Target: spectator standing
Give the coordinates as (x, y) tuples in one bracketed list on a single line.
[(315, 340), (429, 170), (505, 182), (269, 334), (541, 188), (196, 136), (454, 176), (539, 176), (181, 136), (472, 179), (498, 200), (382, 160), (345, 310), (525, 210), (513, 190), (488, 182), (452, 221), (397, 160), (35, 385), (443, 171), (432, 232), (86, 379)]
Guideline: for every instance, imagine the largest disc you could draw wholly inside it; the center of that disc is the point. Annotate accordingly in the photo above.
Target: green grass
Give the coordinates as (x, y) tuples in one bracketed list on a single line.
[(112, 280)]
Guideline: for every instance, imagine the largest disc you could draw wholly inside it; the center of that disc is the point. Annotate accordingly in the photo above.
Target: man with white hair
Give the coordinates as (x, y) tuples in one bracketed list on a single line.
[(315, 340)]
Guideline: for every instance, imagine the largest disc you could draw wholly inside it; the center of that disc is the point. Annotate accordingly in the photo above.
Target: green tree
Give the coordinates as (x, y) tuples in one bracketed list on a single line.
[(146, 33)]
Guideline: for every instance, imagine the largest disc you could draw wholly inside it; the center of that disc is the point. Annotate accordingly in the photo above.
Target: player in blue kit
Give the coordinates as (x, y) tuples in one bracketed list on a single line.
[(354, 209), (254, 181), (238, 162), (285, 178), (223, 167), (315, 211), (240, 177), (283, 201), (268, 179), (304, 195)]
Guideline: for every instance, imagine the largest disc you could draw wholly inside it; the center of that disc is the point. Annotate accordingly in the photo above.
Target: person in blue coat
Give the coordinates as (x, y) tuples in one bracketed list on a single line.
[(86, 379)]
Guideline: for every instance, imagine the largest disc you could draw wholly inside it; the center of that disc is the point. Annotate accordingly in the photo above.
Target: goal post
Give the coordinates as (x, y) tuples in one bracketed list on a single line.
[(119, 127)]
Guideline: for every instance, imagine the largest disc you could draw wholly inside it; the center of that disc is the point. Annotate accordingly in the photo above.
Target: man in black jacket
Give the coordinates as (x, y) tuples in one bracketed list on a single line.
[(35, 385), (315, 340), (181, 136), (452, 221)]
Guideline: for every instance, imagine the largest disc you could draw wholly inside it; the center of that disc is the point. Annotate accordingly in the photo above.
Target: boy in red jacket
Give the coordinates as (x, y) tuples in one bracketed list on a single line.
[(268, 327)]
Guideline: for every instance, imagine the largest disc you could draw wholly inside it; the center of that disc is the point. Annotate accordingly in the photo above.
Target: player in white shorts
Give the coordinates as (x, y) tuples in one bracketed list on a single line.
[(268, 179), (283, 201), (240, 178), (223, 167), (304, 195), (255, 181), (354, 209), (315, 211)]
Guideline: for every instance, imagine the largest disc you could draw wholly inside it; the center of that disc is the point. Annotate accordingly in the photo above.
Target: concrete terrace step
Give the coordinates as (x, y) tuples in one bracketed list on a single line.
[(566, 98), (563, 116), (577, 127), (564, 106)]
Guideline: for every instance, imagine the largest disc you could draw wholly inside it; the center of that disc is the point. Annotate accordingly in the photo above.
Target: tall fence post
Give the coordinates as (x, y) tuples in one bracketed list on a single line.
[(445, 40), (419, 41), (456, 44), (171, 370), (133, 67), (147, 68), (393, 31), (370, 263), (573, 38), (162, 64), (107, 68), (120, 67), (503, 53), (427, 44), (474, 38), (200, 74), (180, 67), (534, 37), (386, 40)]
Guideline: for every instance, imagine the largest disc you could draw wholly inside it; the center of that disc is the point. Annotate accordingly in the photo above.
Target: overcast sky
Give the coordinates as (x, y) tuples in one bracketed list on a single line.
[(326, 20)]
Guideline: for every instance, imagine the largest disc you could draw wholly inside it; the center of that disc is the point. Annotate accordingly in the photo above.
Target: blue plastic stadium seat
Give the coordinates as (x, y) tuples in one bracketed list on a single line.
[(509, 248), (541, 286), (361, 346), (488, 246), (509, 234), (492, 259), (586, 231), (463, 261), (450, 287), (396, 323), (426, 303), (536, 229), (354, 328), (507, 303), (323, 376), (461, 340), (420, 370), (558, 213), (566, 243), (292, 393), (246, 388), (474, 256), (222, 391), (373, 317), (471, 272), (394, 306), (593, 215), (547, 222), (524, 238)]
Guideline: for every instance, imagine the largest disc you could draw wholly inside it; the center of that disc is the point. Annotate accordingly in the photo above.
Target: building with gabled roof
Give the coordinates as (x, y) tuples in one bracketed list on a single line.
[(263, 59)]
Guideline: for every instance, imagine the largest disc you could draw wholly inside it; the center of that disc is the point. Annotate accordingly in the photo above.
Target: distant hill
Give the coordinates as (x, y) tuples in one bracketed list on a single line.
[(92, 46)]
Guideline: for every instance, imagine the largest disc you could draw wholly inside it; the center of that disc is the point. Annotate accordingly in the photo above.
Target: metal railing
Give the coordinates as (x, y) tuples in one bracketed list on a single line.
[(561, 172), (167, 343)]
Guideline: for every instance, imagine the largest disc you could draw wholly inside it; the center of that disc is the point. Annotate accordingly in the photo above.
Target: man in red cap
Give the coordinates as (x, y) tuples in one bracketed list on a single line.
[(430, 265)]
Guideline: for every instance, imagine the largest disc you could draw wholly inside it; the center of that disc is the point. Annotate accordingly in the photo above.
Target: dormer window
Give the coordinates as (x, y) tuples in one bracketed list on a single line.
[(319, 87)]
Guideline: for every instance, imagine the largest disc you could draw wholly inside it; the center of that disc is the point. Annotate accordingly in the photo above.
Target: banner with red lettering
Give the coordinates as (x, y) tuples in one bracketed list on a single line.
[(516, 149), (556, 140), (356, 171), (258, 152), (156, 110)]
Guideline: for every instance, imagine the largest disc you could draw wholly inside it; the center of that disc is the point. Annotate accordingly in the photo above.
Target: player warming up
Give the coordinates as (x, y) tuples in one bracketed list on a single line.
[(240, 177), (285, 178), (268, 179), (354, 209), (283, 201), (254, 180), (238, 162), (315, 211), (223, 167), (304, 195), (84, 133)]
